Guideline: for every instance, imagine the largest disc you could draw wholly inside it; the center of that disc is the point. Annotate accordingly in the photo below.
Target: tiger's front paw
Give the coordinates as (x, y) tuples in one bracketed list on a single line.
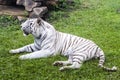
[(22, 57), (26, 56), (13, 51), (57, 63)]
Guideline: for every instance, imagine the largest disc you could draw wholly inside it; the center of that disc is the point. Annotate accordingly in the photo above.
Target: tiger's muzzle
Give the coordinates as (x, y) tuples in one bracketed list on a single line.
[(26, 31)]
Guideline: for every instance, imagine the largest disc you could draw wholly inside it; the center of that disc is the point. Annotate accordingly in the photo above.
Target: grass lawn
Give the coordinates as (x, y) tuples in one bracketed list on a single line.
[(97, 20)]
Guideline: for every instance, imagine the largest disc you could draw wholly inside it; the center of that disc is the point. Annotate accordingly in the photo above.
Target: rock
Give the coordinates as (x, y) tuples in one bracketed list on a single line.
[(34, 8), (38, 12), (7, 2)]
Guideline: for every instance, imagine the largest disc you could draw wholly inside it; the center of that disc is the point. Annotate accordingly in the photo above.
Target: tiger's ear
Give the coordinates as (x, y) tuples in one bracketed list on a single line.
[(39, 20)]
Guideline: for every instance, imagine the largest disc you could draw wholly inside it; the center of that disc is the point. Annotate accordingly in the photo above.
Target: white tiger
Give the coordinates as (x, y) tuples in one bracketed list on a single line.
[(49, 42)]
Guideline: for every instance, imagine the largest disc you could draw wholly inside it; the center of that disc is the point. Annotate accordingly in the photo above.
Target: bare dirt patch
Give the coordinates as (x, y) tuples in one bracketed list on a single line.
[(12, 10)]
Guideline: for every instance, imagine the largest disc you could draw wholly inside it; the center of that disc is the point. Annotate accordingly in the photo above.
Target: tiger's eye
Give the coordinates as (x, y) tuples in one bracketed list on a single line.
[(30, 24)]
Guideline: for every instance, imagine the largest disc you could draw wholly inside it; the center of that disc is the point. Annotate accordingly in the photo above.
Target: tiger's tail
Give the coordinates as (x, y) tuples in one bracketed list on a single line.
[(101, 62), (113, 69)]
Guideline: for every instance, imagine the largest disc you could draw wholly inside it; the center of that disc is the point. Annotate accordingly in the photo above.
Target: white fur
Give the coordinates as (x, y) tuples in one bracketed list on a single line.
[(49, 42)]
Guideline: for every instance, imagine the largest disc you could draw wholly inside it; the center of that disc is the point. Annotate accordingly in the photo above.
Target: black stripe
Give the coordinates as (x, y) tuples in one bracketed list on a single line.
[(77, 62), (101, 61), (32, 25), (31, 48), (37, 43), (65, 42), (28, 48), (77, 58), (46, 43), (47, 47), (39, 36), (91, 52), (43, 38), (37, 48), (83, 47), (101, 56), (96, 50), (70, 41), (82, 39), (42, 24), (75, 41), (81, 55)]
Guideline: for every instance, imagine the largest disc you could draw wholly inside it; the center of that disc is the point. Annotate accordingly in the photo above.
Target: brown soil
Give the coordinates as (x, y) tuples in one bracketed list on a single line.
[(12, 10)]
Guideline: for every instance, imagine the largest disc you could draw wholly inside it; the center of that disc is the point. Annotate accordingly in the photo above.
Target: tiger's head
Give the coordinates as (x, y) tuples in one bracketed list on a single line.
[(31, 26)]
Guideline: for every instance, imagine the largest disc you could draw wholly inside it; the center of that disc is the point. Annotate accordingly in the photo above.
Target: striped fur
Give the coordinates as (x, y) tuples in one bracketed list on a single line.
[(49, 42)]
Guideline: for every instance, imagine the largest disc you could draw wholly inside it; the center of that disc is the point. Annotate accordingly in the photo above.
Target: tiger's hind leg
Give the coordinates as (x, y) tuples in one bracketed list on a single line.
[(77, 60), (75, 65), (63, 63)]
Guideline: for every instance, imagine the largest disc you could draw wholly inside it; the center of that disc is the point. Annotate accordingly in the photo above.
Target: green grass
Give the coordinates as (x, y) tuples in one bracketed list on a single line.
[(93, 19)]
